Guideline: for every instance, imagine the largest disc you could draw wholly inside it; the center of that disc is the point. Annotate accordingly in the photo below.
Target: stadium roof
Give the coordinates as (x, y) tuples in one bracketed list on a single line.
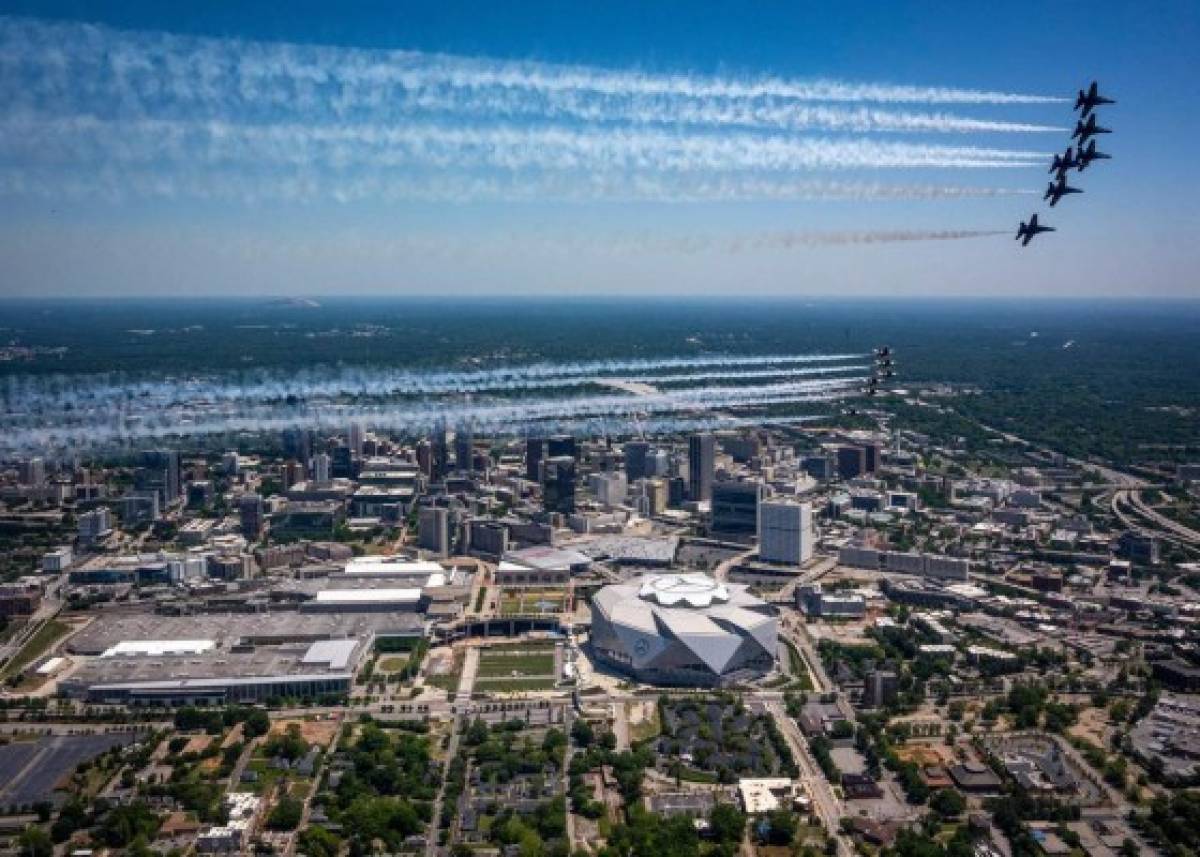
[(683, 590)]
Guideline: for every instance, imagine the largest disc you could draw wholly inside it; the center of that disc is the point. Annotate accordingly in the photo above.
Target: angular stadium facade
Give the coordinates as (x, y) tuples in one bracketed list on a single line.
[(683, 630)]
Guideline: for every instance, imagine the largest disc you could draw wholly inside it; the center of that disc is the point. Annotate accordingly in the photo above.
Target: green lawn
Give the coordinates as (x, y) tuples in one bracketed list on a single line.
[(691, 775), (517, 602), (391, 664), (269, 777), (447, 683), (504, 664), (798, 666)]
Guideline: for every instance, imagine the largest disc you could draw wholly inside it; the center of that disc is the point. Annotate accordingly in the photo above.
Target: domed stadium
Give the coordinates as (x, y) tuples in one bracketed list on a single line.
[(683, 630)]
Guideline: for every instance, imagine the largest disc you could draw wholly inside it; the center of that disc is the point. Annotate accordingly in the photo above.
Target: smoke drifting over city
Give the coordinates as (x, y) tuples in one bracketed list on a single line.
[(76, 412)]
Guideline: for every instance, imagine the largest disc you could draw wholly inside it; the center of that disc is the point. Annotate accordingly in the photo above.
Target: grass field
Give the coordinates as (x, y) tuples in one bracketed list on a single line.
[(391, 664), (269, 777), (515, 602), (506, 664), (42, 640), (691, 775)]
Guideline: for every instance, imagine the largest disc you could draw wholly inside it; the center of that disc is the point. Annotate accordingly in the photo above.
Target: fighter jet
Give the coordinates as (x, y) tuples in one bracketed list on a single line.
[(1057, 190), (1065, 162), (1027, 231), (1083, 130), (1086, 156), (1087, 102)]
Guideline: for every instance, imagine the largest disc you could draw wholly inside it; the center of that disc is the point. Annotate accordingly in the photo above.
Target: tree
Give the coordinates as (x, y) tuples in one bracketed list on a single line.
[(290, 745), (71, 817), (286, 814), (780, 828), (257, 723), (35, 842), (125, 823), (477, 733), (728, 823), (582, 732), (316, 841), (947, 803)]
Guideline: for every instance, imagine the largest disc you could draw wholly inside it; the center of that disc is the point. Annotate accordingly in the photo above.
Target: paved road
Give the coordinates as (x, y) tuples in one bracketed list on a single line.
[(235, 776), (48, 609), (462, 704), (307, 811), (1139, 518), (1162, 521), (721, 572), (431, 848), (1116, 477), (825, 804), (568, 720)]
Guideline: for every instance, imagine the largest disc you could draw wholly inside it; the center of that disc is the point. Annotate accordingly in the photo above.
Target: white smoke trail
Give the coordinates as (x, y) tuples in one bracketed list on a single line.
[(81, 410), (784, 240), (98, 428), (512, 148), (95, 111), (251, 188), (72, 66), (31, 392)]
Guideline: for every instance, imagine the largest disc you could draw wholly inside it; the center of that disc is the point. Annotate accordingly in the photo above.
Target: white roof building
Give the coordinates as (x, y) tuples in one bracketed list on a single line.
[(158, 648), (765, 794), (331, 654), (403, 595), (385, 566)]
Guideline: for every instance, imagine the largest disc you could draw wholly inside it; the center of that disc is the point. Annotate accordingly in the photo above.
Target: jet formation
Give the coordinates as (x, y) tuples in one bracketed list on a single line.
[(1078, 157), (883, 370)]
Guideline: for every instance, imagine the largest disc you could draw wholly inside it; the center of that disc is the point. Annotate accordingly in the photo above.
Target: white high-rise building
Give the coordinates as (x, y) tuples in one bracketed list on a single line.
[(610, 489), (433, 530), (785, 533), (32, 472), (320, 468)]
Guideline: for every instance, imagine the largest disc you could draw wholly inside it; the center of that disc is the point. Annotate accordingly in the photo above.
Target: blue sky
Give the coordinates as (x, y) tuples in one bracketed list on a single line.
[(570, 148)]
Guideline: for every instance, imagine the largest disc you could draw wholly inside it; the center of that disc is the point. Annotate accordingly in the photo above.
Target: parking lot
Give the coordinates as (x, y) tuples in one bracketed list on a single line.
[(33, 769)]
